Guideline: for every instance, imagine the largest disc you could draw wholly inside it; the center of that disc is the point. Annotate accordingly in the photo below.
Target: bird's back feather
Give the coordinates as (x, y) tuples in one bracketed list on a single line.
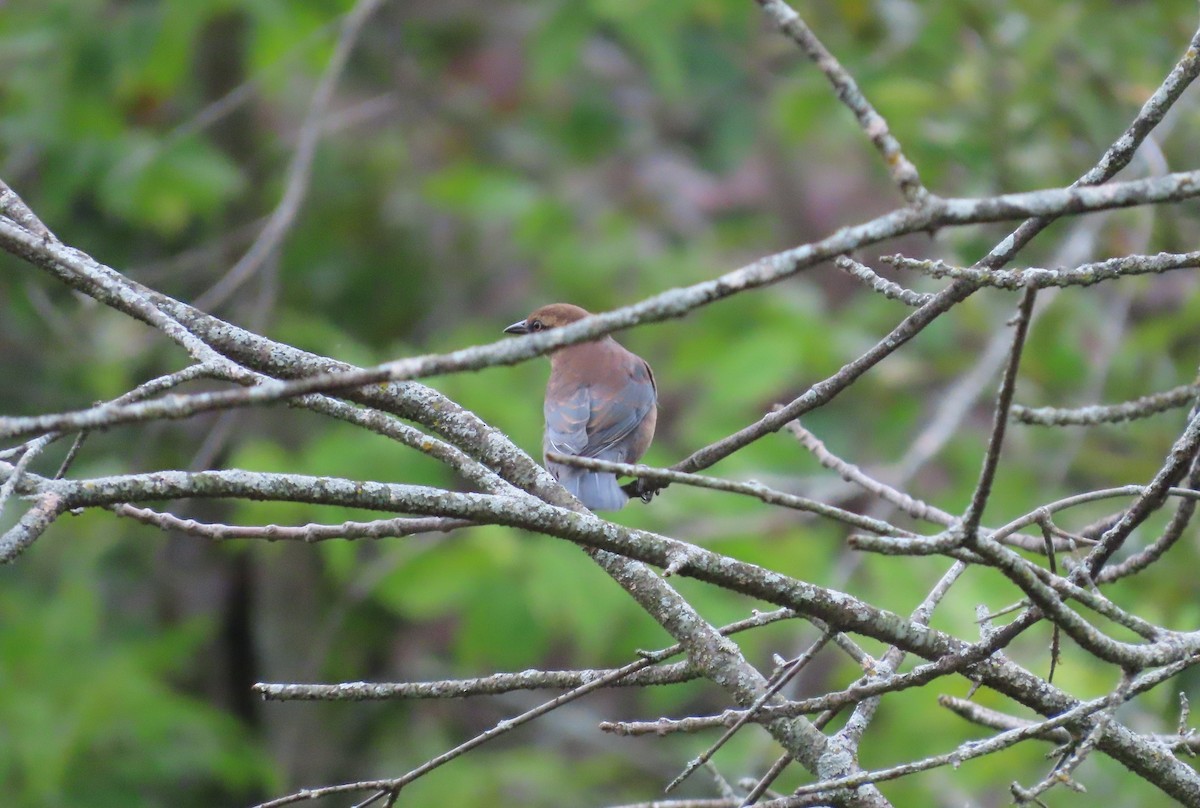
[(600, 402)]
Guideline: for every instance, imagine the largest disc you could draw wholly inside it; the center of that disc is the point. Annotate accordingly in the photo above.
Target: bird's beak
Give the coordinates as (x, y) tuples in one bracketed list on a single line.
[(519, 327)]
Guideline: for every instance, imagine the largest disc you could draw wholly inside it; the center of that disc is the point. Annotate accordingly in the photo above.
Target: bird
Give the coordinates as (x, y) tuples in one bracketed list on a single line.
[(601, 402)]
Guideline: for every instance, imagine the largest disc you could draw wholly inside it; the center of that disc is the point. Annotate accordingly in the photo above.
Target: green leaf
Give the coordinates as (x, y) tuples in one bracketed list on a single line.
[(481, 191), (167, 187)]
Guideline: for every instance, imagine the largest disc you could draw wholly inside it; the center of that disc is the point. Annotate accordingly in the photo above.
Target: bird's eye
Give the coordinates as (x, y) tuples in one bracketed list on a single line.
[(536, 325)]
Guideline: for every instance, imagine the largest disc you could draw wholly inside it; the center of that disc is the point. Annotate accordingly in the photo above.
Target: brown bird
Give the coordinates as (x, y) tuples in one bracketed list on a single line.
[(601, 401)]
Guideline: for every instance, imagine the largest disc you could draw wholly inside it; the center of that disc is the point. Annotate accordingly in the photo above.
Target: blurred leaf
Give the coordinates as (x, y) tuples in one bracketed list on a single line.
[(481, 191), (446, 581), (166, 190), (119, 733), (557, 43)]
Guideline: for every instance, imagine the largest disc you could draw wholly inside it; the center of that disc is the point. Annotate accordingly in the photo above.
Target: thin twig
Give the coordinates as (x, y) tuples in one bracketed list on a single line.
[(1113, 160), (379, 529), (1180, 458), (32, 524), (32, 450), (889, 289), (752, 488), (300, 168), (991, 460), (902, 171), (851, 473), (501, 728), (945, 542), (1040, 278), (1006, 739), (508, 682), (784, 676), (1046, 204), (1170, 535), (964, 660), (1144, 407)]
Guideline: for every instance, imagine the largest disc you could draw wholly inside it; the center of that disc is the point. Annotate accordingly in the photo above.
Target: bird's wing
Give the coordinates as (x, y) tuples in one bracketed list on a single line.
[(615, 416), (567, 422)]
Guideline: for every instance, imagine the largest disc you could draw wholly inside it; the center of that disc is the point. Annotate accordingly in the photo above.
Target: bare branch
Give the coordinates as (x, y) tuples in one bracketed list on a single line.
[(508, 488), (1048, 203), (889, 289), (379, 529), (902, 171), (1003, 740), (1112, 161), (1173, 532), (507, 682), (1038, 278), (991, 460), (781, 678), (30, 526), (15, 208), (752, 489), (1143, 407), (853, 474), (1178, 461)]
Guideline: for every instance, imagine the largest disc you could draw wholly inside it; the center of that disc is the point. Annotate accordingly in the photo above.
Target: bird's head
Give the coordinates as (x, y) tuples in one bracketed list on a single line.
[(547, 317)]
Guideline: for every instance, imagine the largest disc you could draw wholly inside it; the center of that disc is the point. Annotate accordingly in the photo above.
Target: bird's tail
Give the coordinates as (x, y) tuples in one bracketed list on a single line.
[(598, 490)]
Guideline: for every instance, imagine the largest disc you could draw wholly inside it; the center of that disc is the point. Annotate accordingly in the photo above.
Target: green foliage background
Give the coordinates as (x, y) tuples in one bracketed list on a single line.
[(480, 159)]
